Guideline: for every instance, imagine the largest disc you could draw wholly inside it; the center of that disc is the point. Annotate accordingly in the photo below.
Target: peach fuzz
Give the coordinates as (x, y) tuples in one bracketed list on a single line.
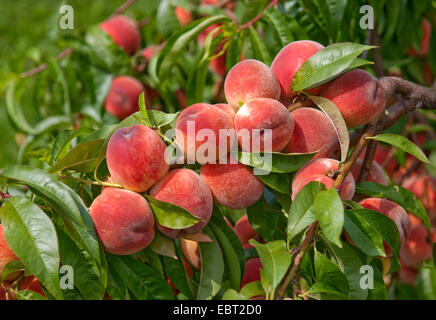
[(245, 231), (191, 252), (6, 253), (313, 131), (124, 31), (250, 79), (259, 114), (290, 58), (320, 170), (252, 271), (375, 174), (198, 117), (122, 99), (358, 96), (123, 221), (393, 211), (186, 189), (233, 185), (418, 248), (136, 157)]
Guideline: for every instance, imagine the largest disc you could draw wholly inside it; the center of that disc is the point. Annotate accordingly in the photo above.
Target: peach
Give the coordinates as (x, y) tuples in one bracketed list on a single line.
[(259, 114), (358, 96), (191, 252), (250, 79), (233, 185), (123, 221), (122, 99), (286, 63), (193, 126), (320, 170), (124, 31), (136, 157), (414, 221), (423, 187), (418, 248), (313, 131), (407, 275), (375, 174), (252, 271), (245, 231), (393, 211), (183, 15), (186, 189), (31, 283), (6, 253)]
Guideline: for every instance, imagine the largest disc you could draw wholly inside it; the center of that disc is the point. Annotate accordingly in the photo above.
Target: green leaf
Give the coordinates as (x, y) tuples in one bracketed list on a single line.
[(401, 143), (275, 260), (171, 216), (163, 245), (177, 43), (260, 51), (63, 139), (302, 212), (427, 283), (175, 270), (212, 267), (275, 161), (29, 295), (326, 64), (338, 122), (32, 237), (329, 212), (280, 182), (81, 158), (279, 24), (140, 279), (397, 194), (143, 109), (167, 19)]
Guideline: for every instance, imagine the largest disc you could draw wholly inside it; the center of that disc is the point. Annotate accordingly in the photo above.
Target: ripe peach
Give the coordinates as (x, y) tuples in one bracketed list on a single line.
[(414, 221), (250, 79), (136, 157), (233, 185), (407, 275), (394, 212), (313, 131), (290, 58), (122, 99), (418, 248), (124, 31), (183, 15), (245, 231), (320, 170), (186, 189), (424, 188), (358, 96), (208, 119), (259, 114), (375, 174), (191, 252), (123, 221), (31, 283), (6, 253), (252, 271)]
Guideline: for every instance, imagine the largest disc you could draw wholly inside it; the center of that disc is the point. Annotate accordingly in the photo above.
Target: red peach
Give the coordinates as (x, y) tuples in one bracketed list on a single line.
[(136, 157), (392, 211), (122, 99), (289, 60), (313, 131), (418, 248), (375, 174), (407, 275), (320, 170), (358, 96), (233, 185), (227, 109), (250, 79), (191, 252), (186, 189), (259, 114), (208, 119), (6, 254), (245, 231), (183, 15), (124, 31), (423, 187), (123, 221), (252, 271)]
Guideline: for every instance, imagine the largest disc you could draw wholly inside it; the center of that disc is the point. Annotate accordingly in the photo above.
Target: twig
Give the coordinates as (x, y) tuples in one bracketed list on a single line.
[(142, 22), (256, 18), (293, 268), (43, 66), (123, 7)]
